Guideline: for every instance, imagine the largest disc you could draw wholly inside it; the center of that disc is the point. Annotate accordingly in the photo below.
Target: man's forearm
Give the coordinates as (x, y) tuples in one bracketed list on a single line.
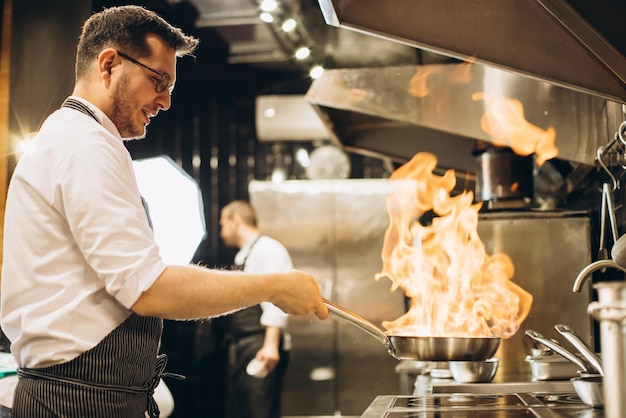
[(192, 292)]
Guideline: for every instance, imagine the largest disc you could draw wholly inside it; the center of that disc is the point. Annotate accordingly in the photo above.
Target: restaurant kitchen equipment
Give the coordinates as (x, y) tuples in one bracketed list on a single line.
[(334, 229), (424, 348), (526, 50)]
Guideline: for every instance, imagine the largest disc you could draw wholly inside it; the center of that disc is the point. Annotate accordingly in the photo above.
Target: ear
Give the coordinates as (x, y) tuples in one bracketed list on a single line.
[(107, 60), (237, 219)]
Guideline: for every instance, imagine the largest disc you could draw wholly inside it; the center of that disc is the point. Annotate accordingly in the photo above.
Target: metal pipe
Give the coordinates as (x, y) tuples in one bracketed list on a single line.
[(610, 310), (593, 267)]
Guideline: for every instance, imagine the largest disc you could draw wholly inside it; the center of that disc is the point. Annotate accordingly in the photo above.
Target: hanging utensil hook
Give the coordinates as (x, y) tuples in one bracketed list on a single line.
[(600, 152), (607, 208)]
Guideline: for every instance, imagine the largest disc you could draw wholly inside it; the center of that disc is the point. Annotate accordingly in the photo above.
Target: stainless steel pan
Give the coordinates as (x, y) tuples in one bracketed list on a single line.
[(422, 348)]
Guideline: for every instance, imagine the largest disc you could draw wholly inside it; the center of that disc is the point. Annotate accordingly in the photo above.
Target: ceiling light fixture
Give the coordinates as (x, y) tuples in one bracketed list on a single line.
[(302, 53), (316, 72), (266, 17), (288, 25), (269, 5)]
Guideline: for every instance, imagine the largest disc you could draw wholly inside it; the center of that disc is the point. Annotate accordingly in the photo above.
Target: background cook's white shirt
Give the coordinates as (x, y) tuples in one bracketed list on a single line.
[(267, 256), (78, 249)]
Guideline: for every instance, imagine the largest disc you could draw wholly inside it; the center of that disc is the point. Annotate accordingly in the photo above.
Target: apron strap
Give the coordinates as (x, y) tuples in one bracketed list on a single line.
[(79, 106)]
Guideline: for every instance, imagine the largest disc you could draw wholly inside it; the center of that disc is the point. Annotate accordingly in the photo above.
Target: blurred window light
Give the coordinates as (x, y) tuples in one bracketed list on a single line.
[(278, 175), (175, 206), (25, 144), (302, 156), (270, 112)]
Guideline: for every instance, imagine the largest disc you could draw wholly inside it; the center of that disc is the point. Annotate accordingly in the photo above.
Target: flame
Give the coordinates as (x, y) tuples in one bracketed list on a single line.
[(357, 95), (504, 121), (418, 84), (455, 287), (462, 73)]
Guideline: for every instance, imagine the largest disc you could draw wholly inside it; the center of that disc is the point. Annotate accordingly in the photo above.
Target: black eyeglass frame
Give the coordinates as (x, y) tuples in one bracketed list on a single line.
[(162, 83)]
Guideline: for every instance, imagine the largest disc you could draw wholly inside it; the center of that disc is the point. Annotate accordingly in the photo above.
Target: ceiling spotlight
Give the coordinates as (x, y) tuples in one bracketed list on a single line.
[(269, 5), (302, 53), (266, 17), (316, 72), (288, 25)]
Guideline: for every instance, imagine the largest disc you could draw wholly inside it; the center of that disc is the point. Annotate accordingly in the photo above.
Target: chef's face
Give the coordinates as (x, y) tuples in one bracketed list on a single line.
[(229, 230), (136, 97)]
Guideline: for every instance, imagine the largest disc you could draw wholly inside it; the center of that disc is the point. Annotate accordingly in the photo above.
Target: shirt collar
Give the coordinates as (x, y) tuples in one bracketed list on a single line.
[(248, 245), (101, 117)]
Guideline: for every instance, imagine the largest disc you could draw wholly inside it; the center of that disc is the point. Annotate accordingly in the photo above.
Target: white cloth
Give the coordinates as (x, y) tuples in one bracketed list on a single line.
[(164, 399), (78, 248), (7, 390), (267, 256)]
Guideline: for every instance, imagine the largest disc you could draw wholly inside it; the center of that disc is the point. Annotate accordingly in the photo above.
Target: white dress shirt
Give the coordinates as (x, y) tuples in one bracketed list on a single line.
[(78, 248)]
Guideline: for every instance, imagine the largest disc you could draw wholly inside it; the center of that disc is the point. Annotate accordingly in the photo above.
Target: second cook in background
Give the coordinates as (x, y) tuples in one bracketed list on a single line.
[(255, 340)]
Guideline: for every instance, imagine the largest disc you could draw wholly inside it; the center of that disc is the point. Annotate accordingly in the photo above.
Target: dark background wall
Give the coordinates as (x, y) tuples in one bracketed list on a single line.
[(209, 131)]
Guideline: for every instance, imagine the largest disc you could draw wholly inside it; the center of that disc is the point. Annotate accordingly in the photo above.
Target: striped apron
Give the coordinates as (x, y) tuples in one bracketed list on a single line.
[(115, 379)]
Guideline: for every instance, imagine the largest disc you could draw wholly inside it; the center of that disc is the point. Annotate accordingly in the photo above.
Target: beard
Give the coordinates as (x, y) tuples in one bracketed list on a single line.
[(124, 107)]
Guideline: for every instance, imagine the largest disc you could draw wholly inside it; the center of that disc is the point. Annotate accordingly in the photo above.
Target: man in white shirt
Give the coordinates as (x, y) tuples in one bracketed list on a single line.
[(84, 289), (256, 340)]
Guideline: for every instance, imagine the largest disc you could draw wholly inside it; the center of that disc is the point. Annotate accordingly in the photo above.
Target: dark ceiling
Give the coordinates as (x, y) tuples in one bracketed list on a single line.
[(252, 41)]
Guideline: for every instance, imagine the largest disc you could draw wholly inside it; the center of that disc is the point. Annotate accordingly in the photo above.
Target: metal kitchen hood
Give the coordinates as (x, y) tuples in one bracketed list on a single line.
[(574, 43), (547, 54)]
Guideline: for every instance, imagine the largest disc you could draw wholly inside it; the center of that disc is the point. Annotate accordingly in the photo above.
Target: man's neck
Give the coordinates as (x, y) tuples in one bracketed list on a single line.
[(248, 235)]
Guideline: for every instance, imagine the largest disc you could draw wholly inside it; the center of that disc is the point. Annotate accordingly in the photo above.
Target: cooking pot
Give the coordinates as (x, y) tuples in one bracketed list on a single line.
[(590, 390), (423, 348)]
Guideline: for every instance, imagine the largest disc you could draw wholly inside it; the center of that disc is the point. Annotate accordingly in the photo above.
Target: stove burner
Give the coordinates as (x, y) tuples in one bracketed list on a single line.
[(502, 413), (459, 400), (472, 405), (551, 399)]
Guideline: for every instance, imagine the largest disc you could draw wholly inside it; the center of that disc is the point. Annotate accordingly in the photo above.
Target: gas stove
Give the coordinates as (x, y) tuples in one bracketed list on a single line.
[(464, 405)]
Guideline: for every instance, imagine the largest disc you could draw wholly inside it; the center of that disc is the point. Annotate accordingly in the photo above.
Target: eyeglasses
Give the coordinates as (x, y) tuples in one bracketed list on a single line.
[(162, 83)]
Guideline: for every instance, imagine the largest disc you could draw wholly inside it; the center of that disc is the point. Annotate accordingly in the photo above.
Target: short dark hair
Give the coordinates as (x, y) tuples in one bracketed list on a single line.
[(125, 28), (242, 208)]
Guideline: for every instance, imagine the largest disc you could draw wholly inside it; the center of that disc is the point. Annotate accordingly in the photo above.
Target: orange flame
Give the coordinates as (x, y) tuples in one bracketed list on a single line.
[(357, 95), (456, 288), (418, 84), (504, 121)]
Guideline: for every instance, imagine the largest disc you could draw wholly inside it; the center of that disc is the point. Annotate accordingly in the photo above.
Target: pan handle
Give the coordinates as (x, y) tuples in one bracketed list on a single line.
[(581, 345), (557, 348), (359, 322)]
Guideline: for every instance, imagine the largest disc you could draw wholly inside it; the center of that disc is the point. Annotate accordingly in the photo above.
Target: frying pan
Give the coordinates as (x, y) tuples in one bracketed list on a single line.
[(423, 348)]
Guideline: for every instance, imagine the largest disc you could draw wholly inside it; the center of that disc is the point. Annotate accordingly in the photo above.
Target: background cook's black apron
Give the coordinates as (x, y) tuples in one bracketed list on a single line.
[(243, 335)]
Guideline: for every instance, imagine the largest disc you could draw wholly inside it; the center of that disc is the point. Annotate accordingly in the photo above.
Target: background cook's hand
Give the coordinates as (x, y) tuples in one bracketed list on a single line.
[(298, 294), (269, 356)]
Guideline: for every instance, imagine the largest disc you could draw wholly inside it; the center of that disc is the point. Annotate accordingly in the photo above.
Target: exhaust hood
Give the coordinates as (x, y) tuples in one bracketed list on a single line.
[(564, 61)]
